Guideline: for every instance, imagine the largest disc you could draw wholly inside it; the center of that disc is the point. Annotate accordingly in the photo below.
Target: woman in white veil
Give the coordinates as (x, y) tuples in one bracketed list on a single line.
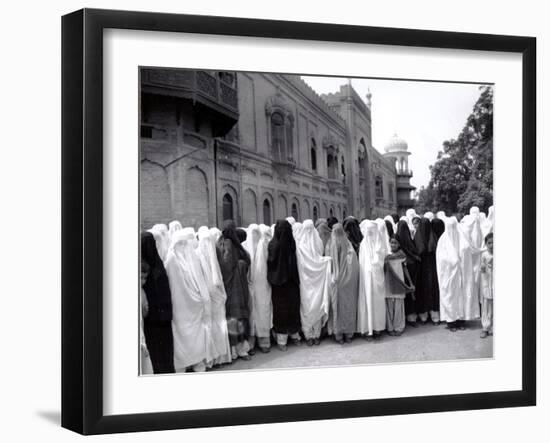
[(250, 245), (173, 226), (261, 316), (472, 239), (315, 281), (371, 316), (297, 230), (192, 310), (162, 239), (449, 272), (206, 251)]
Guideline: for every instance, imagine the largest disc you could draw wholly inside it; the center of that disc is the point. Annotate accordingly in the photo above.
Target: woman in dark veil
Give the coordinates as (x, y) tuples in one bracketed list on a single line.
[(331, 221), (389, 228), (282, 274), (403, 236), (234, 263), (427, 286), (438, 228), (157, 324), (351, 226)]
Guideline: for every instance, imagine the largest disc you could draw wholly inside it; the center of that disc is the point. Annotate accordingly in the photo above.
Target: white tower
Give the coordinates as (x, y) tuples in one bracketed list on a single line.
[(397, 149)]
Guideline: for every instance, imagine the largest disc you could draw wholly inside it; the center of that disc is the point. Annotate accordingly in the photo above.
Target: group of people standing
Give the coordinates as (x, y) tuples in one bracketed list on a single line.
[(212, 296)]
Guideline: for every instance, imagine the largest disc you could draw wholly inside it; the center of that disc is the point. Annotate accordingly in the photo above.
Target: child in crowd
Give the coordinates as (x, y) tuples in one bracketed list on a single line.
[(487, 288), (398, 283)]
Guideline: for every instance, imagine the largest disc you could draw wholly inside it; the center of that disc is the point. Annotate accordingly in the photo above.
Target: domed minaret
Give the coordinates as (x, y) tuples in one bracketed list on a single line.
[(397, 150)]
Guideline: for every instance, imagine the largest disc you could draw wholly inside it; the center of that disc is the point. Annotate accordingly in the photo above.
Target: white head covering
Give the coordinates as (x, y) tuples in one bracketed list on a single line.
[(487, 224), (216, 233), (383, 238), (311, 239), (471, 228), (429, 215), (441, 215), (207, 251), (251, 242), (162, 239), (173, 226), (297, 230), (191, 232), (291, 220)]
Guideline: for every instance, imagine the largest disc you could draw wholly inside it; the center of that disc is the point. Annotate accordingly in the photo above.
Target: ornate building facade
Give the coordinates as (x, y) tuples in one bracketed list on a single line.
[(255, 148)]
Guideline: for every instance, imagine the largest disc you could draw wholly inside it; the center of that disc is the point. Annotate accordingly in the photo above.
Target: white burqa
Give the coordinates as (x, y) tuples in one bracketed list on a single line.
[(371, 307), (297, 230), (472, 239), (315, 280), (216, 233), (162, 239), (487, 225), (191, 306), (250, 246), (261, 316), (441, 215), (449, 272), (429, 215), (206, 251), (173, 227)]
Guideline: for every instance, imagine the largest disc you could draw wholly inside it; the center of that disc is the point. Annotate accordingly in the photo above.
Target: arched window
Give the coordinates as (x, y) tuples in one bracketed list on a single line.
[(313, 155), (331, 166), (315, 214), (282, 149), (379, 187), (294, 211), (267, 212), (361, 157), (343, 170), (227, 207), (344, 213), (331, 212), (278, 136)]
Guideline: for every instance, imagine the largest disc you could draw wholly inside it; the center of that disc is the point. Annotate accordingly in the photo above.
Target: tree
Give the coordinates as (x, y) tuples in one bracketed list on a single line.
[(462, 175)]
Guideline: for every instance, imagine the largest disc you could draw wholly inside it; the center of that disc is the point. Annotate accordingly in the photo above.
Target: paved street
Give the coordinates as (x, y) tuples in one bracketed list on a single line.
[(423, 343)]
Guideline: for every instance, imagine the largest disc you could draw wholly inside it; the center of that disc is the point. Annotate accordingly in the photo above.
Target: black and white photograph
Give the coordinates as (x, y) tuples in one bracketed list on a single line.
[(298, 221)]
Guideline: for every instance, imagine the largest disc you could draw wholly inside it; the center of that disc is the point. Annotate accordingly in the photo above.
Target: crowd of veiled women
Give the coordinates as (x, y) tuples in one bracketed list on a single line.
[(210, 297)]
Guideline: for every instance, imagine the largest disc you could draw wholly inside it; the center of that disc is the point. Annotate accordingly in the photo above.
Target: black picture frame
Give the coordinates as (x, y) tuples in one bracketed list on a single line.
[(82, 218)]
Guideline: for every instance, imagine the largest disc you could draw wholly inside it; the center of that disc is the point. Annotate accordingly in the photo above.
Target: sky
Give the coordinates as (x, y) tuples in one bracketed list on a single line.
[(424, 114)]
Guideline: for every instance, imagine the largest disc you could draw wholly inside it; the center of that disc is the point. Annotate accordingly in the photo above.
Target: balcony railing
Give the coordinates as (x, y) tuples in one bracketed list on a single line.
[(215, 90)]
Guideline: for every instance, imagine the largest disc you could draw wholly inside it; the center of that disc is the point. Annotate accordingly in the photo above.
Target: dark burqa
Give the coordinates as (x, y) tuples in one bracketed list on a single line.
[(389, 228), (331, 221), (351, 226), (157, 326), (241, 234), (427, 286), (282, 274), (345, 274), (234, 263), (403, 236), (438, 228)]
